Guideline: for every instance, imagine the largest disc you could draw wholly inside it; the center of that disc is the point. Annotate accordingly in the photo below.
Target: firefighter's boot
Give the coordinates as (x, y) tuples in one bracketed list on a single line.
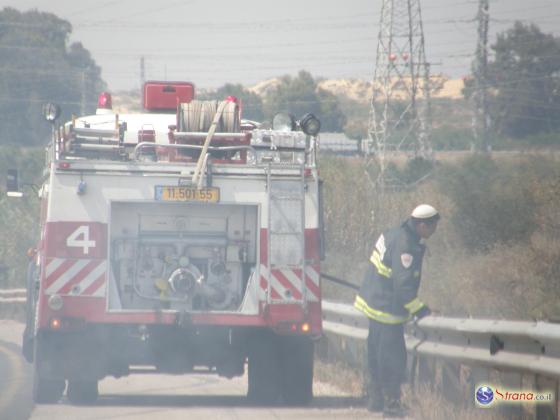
[(394, 408), (375, 398)]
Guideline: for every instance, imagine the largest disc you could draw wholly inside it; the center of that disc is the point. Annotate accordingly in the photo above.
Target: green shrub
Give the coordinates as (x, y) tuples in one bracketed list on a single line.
[(493, 204), (416, 169), (19, 218), (451, 138), (543, 139)]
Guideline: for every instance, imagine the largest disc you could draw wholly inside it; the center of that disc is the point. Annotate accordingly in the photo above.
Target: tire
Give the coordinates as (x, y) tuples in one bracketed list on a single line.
[(27, 345), (297, 370), (82, 392), (45, 390), (264, 370)]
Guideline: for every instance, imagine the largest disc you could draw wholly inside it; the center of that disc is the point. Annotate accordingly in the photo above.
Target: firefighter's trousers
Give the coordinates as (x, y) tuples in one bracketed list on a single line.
[(386, 359)]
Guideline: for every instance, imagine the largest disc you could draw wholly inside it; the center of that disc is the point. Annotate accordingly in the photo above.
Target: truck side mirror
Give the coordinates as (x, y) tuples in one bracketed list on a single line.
[(12, 184), (51, 112)]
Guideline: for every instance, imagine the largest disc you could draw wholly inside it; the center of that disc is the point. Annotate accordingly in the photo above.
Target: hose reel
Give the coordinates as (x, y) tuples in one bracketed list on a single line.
[(197, 116)]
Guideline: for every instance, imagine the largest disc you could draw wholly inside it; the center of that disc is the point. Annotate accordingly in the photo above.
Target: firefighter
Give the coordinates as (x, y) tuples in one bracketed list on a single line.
[(388, 297)]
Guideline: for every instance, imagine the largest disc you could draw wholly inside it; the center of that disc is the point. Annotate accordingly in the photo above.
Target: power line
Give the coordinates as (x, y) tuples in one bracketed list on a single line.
[(97, 6)]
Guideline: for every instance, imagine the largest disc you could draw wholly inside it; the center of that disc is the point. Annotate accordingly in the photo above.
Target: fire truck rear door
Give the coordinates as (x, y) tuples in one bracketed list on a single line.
[(286, 237)]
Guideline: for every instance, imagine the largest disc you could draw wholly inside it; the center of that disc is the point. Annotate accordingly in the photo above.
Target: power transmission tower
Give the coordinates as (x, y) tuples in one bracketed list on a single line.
[(400, 105), (480, 73)]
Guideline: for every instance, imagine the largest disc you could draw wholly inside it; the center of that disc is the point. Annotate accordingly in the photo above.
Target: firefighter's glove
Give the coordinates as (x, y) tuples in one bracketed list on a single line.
[(424, 311)]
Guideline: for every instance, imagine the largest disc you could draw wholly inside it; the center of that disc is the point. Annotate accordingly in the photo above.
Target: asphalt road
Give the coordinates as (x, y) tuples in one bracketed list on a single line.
[(142, 397), (15, 375)]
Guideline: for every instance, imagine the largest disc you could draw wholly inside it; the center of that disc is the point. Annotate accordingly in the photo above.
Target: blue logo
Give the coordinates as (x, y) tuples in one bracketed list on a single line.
[(484, 395)]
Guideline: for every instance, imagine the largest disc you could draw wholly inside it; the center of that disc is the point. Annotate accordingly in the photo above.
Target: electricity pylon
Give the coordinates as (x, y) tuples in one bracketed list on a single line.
[(400, 105)]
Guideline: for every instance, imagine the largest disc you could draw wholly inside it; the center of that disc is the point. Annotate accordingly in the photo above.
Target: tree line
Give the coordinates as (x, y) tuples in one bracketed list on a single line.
[(38, 65), (523, 83)]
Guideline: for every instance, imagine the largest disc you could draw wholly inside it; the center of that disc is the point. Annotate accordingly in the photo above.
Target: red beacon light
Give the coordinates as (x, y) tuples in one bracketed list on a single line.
[(237, 102), (104, 103)]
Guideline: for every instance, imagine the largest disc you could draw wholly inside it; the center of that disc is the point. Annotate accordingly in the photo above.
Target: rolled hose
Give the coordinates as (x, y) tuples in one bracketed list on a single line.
[(197, 116)]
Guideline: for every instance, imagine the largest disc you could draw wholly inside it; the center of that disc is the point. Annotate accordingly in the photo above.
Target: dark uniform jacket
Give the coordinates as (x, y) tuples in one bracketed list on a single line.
[(389, 290)]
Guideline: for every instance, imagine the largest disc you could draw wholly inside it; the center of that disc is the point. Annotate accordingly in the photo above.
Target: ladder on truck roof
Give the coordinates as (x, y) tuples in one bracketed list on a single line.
[(286, 237), (87, 142)]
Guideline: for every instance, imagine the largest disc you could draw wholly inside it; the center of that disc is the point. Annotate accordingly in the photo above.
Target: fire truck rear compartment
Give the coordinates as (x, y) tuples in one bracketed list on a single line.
[(181, 256)]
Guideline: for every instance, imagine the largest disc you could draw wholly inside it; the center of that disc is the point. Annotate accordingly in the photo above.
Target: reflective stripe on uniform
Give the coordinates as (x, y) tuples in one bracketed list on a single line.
[(414, 305), (382, 269), (383, 317)]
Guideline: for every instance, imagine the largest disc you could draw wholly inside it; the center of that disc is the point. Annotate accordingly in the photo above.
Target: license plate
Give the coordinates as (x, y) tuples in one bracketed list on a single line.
[(180, 193)]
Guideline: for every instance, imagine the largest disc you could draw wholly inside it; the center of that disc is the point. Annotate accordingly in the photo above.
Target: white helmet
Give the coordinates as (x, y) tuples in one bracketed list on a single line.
[(424, 212)]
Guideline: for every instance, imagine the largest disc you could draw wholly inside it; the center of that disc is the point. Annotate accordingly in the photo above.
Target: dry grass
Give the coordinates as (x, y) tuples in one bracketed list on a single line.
[(427, 405), (339, 375), (423, 403)]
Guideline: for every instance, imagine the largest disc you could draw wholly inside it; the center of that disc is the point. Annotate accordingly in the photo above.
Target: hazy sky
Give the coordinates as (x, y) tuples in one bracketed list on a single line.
[(214, 42)]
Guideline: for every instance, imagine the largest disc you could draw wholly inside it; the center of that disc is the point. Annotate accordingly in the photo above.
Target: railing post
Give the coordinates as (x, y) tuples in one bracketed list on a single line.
[(544, 384), (451, 386)]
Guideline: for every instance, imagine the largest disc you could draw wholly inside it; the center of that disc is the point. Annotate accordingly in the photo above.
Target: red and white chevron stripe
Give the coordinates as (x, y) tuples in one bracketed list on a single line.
[(286, 283), (75, 277)]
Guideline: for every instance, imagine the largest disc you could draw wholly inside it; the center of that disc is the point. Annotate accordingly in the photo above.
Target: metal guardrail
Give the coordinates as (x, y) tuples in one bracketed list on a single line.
[(12, 295), (523, 346), (457, 355)]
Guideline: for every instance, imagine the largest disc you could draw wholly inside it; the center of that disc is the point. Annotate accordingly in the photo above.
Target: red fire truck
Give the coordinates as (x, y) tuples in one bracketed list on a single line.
[(179, 239)]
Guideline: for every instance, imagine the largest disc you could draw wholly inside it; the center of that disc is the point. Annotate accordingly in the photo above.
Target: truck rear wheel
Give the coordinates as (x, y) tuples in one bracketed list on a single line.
[(27, 346), (82, 392), (297, 370), (45, 390), (264, 370)]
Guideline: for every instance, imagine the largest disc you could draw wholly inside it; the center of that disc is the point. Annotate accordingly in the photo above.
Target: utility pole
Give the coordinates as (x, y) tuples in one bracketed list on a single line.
[(400, 105), (480, 70), (83, 93), (142, 72)]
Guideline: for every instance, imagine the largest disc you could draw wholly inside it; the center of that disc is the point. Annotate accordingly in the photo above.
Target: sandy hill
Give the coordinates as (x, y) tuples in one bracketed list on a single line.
[(362, 91)]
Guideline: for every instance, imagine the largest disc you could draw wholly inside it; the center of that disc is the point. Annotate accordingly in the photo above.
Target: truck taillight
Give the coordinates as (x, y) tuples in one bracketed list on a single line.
[(287, 327), (55, 323), (67, 324), (105, 101)]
